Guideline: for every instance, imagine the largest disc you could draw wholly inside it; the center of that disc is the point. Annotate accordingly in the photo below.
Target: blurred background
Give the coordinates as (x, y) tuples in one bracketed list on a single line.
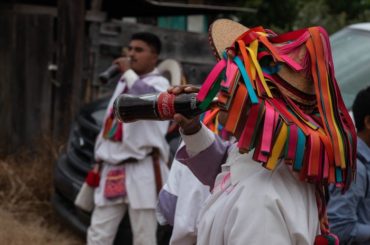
[(51, 103)]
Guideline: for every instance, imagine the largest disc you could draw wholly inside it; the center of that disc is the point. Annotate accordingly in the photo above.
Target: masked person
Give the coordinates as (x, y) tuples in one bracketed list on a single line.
[(279, 98), (133, 155)]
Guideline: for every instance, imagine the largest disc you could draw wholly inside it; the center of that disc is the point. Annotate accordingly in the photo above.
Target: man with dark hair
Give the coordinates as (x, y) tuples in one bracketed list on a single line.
[(133, 156), (151, 39), (349, 213)]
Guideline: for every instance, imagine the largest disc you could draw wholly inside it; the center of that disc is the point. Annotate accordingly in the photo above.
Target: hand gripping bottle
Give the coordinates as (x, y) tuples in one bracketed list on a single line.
[(158, 106)]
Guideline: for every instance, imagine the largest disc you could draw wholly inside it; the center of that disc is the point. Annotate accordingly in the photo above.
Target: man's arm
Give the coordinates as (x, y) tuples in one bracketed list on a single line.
[(342, 210), (167, 198), (204, 153)]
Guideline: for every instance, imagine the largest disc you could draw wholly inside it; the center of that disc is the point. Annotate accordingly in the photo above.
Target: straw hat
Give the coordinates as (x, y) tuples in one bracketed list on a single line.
[(296, 85), (267, 85)]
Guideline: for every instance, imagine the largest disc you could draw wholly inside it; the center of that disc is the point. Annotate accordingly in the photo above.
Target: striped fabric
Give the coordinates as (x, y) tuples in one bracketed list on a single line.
[(317, 141)]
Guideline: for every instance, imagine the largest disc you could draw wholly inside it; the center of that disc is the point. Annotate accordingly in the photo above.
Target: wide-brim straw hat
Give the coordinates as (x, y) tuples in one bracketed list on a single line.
[(296, 85)]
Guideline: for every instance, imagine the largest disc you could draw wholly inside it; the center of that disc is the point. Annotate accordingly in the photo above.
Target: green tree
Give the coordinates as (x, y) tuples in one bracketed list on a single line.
[(273, 14), (286, 15), (317, 13)]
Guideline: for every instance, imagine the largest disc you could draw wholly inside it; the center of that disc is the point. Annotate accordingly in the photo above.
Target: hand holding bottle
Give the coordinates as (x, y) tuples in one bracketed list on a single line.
[(123, 63), (109, 73), (178, 103), (188, 125), (119, 65)]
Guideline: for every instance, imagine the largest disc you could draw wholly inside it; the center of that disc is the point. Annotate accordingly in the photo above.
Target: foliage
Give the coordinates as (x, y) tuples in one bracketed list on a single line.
[(282, 16), (314, 13)]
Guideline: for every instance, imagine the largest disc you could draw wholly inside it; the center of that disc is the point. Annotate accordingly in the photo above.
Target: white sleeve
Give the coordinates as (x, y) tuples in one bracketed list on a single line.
[(199, 141), (130, 77)]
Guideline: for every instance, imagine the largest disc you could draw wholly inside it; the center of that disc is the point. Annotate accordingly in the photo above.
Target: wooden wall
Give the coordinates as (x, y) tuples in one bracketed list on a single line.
[(36, 101), (26, 48), (70, 60)]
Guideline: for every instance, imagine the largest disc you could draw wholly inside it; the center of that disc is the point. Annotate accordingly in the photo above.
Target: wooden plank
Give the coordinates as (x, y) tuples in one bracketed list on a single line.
[(93, 15), (71, 44), (28, 9), (25, 88), (6, 83), (37, 39)]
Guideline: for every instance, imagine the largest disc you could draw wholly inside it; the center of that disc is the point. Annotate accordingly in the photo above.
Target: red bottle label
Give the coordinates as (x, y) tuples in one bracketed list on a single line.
[(165, 105)]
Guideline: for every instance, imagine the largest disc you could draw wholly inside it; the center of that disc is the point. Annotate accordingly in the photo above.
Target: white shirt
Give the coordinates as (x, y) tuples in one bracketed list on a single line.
[(139, 138), (252, 205), (190, 194)]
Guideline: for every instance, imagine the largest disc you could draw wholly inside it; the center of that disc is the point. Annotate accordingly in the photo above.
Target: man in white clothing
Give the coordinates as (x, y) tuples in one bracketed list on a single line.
[(279, 98), (183, 195), (127, 151), (180, 200)]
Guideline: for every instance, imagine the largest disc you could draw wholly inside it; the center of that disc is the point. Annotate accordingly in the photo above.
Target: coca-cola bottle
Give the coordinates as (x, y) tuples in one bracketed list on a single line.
[(158, 106), (109, 73)]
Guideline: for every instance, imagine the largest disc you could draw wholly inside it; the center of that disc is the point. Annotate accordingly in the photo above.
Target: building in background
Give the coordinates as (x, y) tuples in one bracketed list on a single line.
[(52, 51)]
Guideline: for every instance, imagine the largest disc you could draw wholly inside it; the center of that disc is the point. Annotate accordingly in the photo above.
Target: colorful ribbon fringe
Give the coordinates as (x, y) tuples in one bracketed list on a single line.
[(318, 144), (112, 128)]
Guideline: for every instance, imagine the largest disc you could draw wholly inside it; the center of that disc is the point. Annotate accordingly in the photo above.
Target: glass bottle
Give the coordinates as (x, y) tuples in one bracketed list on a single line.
[(157, 106), (109, 73)]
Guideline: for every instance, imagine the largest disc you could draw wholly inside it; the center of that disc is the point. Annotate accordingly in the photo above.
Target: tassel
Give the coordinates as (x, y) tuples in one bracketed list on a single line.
[(329, 239), (93, 178)]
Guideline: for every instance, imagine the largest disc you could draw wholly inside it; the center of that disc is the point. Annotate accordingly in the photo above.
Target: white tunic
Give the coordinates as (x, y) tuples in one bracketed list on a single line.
[(190, 194), (252, 205), (138, 141)]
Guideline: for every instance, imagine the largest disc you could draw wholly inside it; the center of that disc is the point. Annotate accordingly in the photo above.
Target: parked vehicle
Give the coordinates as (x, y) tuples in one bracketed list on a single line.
[(351, 55)]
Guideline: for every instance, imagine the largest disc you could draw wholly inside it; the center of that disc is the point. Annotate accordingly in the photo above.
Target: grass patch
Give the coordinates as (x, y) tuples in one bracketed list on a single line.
[(26, 185)]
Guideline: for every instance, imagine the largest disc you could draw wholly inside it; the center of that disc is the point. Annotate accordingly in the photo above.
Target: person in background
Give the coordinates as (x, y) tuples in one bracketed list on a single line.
[(179, 203), (133, 155), (183, 195), (349, 213)]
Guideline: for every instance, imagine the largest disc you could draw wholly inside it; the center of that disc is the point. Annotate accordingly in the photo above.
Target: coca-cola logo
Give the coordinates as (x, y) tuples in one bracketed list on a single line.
[(165, 105)]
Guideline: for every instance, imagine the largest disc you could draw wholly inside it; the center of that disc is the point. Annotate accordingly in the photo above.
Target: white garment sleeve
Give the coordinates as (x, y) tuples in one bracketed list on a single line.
[(129, 77), (199, 141)]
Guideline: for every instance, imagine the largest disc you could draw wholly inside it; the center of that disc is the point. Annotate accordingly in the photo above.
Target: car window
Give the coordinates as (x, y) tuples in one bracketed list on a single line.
[(351, 55)]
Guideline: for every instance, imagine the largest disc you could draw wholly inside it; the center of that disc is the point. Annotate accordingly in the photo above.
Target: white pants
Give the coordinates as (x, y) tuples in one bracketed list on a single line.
[(106, 219)]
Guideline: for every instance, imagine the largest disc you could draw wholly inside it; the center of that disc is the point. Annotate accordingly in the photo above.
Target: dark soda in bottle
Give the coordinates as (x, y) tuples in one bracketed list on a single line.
[(109, 73), (158, 106)]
